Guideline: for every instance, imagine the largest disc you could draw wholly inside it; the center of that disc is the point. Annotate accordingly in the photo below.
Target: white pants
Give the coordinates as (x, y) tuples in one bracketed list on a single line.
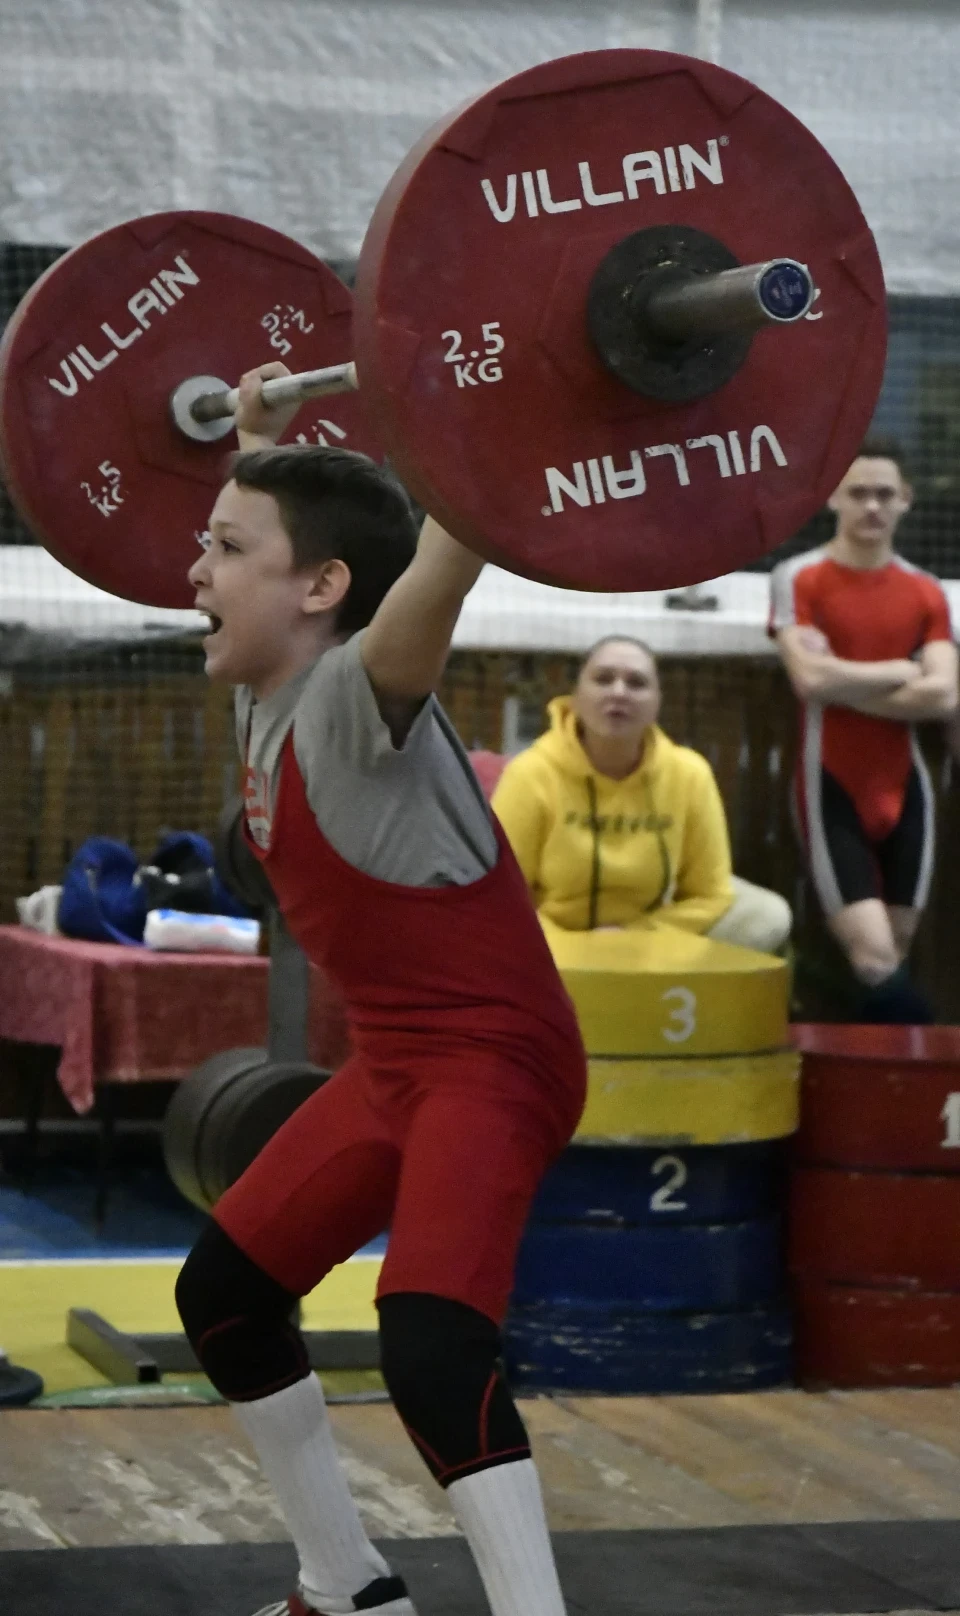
[(757, 918)]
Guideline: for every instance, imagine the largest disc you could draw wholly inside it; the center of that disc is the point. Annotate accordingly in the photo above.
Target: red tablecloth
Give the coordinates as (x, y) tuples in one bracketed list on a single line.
[(127, 1015)]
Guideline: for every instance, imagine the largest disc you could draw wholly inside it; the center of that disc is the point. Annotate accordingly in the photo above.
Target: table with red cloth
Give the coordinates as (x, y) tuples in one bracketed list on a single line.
[(131, 1015)]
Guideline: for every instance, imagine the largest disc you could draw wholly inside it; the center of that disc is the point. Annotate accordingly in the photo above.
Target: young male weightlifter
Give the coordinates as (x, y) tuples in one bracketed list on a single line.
[(867, 643), (467, 1074)]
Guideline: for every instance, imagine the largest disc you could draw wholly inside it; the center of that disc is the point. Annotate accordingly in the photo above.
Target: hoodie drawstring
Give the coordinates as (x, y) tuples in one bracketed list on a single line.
[(666, 872), (595, 863), (662, 845)]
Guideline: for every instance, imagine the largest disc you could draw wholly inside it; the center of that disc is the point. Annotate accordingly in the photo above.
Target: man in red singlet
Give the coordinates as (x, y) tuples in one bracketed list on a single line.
[(467, 1075), (866, 641)]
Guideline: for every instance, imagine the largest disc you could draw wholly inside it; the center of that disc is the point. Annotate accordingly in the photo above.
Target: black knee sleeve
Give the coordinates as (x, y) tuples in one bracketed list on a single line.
[(238, 1320), (441, 1364)]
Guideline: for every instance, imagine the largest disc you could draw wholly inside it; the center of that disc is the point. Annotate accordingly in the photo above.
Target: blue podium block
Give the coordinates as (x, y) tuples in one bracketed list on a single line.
[(675, 1269), (607, 1349), (619, 1184)]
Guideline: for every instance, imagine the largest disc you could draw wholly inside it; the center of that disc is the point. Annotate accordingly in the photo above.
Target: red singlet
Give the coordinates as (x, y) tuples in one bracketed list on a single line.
[(867, 616), (467, 1077)]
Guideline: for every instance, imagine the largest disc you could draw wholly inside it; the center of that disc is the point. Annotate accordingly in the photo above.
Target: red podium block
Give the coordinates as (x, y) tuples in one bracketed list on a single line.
[(847, 1336), (876, 1229), (879, 1097)]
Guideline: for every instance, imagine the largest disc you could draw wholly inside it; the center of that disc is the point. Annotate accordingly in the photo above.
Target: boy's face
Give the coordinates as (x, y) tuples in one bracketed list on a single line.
[(245, 581)]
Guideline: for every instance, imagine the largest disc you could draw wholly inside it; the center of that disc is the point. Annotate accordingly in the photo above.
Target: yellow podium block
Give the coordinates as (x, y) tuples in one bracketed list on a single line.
[(719, 1100), (663, 992)]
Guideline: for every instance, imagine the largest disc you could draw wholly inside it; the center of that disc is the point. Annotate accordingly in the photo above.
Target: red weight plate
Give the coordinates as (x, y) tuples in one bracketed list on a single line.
[(875, 1228), (853, 1337), (90, 359), (472, 343), (886, 1097)]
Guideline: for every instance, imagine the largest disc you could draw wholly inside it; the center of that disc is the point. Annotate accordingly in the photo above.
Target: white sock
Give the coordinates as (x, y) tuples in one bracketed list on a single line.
[(291, 1433), (501, 1512)]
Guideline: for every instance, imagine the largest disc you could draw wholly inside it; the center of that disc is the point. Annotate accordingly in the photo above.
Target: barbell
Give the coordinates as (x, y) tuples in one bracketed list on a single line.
[(618, 324)]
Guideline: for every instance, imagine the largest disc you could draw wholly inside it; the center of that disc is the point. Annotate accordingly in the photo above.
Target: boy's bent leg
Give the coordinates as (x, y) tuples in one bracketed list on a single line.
[(441, 1365), (469, 1173), (441, 1362), (502, 1516), (238, 1320), (340, 1570), (323, 1185)]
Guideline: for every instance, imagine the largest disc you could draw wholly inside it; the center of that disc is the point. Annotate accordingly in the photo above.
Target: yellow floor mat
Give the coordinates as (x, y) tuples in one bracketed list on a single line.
[(35, 1296)]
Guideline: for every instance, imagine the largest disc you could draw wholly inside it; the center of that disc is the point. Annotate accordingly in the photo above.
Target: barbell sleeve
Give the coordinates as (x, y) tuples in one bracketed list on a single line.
[(681, 307)]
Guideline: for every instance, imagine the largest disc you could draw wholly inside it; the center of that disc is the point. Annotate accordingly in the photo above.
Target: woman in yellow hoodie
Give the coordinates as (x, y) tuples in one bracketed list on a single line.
[(614, 824)]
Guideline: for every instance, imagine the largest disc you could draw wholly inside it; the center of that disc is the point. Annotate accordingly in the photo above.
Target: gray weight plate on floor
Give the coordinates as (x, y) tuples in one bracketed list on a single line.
[(18, 1387), (246, 1114), (187, 1112)]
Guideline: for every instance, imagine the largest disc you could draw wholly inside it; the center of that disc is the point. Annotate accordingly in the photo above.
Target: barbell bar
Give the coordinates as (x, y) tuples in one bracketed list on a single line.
[(679, 309), (208, 415)]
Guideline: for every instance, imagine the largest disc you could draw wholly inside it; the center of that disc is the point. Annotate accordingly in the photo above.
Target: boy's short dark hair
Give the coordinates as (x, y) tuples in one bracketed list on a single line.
[(338, 505), (878, 447)]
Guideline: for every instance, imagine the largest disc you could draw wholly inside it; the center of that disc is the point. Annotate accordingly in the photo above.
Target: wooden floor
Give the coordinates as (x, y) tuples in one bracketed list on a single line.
[(127, 1476)]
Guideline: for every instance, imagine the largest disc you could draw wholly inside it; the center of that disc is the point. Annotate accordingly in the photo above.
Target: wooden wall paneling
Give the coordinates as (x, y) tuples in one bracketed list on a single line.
[(219, 772), (20, 797), (153, 777), (58, 728)]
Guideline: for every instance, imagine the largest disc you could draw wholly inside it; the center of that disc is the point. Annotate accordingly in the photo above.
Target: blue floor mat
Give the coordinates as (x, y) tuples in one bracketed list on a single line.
[(146, 1217)]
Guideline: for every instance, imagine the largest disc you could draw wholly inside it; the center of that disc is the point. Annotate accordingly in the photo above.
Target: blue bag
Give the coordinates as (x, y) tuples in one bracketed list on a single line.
[(101, 900), (183, 875), (107, 893)]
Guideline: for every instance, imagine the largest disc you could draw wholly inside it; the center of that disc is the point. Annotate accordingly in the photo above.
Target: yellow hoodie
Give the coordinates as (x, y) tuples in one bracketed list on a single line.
[(602, 852)]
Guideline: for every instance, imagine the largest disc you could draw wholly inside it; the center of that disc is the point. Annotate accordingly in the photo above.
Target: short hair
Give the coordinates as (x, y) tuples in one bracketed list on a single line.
[(618, 639), (337, 505), (877, 447)]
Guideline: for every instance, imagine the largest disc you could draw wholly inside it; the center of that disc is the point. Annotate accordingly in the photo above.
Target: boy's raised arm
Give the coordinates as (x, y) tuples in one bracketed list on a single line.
[(405, 648)]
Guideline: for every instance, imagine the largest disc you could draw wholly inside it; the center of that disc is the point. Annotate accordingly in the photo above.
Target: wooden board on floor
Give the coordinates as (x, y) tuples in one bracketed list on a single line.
[(187, 1475), (95, 1478)]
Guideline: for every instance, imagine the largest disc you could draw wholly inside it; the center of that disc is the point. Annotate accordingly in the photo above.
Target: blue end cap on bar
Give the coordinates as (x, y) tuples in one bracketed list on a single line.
[(786, 290)]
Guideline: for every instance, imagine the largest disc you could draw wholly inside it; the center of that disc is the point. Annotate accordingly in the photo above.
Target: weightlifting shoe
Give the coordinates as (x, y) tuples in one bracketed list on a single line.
[(385, 1596)]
